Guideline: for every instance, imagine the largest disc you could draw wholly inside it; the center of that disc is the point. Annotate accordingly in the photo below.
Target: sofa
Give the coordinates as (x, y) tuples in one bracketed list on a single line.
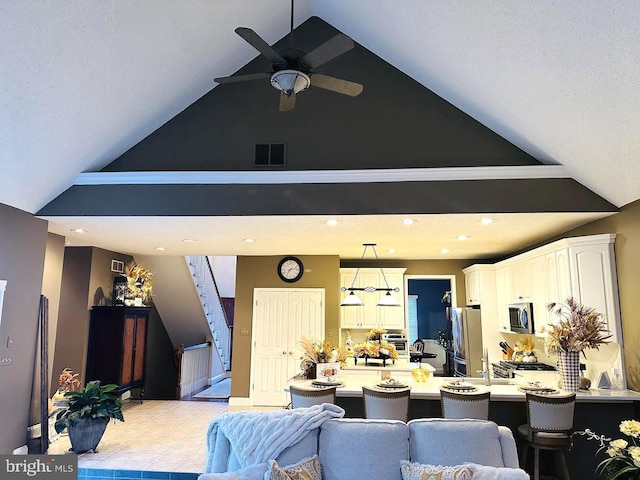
[(356, 448)]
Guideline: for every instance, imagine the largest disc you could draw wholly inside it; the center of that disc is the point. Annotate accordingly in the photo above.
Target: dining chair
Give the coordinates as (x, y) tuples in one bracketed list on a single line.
[(389, 405), (465, 405), (549, 427), (307, 397)]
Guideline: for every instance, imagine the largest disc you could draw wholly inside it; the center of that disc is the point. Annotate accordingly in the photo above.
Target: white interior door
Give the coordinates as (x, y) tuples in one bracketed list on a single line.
[(280, 319)]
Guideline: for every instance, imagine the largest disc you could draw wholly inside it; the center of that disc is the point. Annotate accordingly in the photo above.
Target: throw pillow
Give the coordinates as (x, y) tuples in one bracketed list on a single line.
[(306, 469), (418, 471), (483, 472)]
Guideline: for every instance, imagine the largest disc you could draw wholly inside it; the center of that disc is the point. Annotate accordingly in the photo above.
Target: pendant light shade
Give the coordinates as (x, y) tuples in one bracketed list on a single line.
[(388, 300), (352, 299)]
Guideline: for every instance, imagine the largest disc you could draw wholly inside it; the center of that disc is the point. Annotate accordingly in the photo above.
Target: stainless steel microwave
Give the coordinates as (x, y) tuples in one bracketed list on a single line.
[(521, 317)]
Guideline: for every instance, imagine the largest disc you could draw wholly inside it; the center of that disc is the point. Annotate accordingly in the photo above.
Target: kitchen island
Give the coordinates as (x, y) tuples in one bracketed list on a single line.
[(599, 410)]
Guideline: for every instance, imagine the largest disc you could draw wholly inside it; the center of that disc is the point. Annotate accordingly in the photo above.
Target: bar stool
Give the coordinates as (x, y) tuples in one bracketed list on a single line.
[(465, 405), (550, 425), (306, 397), (391, 405)]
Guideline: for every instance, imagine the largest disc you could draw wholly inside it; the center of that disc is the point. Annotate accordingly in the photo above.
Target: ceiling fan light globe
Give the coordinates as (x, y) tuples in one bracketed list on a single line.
[(291, 82)]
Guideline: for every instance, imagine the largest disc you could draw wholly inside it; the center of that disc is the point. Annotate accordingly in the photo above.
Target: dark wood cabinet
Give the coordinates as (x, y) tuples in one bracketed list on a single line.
[(117, 346)]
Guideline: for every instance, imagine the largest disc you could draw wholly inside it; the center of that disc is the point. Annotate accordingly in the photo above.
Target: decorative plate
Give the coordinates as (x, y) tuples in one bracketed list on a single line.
[(394, 384), (459, 386), (321, 383), (541, 390)]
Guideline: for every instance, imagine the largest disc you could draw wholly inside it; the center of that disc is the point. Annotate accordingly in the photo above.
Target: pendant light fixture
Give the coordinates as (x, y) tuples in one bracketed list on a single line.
[(386, 300)]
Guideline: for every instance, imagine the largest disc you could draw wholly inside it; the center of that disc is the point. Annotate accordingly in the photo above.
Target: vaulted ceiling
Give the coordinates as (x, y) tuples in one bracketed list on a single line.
[(83, 83)]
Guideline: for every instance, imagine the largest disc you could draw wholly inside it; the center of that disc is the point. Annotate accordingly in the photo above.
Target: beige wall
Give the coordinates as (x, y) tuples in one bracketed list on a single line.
[(260, 272), (320, 272), (626, 224)]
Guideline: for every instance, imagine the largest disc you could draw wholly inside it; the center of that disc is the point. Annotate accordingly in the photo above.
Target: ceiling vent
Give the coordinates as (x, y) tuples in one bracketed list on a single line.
[(269, 155)]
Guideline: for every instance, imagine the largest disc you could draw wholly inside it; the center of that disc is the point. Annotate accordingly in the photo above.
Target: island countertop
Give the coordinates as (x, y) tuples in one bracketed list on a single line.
[(501, 389)]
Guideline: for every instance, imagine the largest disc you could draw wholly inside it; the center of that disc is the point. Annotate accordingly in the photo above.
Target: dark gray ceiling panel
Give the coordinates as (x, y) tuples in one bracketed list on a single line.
[(469, 196), (395, 123)]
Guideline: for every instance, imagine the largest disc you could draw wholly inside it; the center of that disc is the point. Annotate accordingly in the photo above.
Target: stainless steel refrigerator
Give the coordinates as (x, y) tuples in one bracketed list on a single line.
[(466, 339)]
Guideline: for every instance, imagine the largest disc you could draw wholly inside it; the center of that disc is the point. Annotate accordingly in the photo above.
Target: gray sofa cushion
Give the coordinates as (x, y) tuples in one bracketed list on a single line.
[(354, 448), (438, 441)]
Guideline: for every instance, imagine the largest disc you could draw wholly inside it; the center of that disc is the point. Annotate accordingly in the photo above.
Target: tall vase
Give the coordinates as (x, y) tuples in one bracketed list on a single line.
[(569, 367)]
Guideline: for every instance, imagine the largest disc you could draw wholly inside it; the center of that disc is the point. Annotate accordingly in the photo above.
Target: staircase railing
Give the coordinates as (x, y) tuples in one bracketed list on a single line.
[(212, 305)]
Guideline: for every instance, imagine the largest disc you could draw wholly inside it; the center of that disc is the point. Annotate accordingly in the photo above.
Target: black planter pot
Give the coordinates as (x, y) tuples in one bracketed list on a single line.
[(85, 434)]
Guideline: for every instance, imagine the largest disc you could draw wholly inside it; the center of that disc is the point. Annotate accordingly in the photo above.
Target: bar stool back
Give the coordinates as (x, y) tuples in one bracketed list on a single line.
[(392, 405), (465, 405), (305, 397), (549, 427)]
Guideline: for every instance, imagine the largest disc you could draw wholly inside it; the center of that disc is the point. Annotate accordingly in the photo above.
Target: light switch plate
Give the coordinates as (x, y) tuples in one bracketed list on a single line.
[(244, 331)]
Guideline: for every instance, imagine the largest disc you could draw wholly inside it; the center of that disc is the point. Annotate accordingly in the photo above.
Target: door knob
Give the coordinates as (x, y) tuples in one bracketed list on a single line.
[(284, 353), (290, 353)]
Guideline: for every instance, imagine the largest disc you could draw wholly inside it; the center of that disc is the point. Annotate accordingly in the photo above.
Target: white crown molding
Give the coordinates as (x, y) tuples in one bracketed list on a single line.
[(322, 176)]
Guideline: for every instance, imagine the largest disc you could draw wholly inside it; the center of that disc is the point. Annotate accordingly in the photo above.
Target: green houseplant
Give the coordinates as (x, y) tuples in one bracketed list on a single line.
[(88, 415)]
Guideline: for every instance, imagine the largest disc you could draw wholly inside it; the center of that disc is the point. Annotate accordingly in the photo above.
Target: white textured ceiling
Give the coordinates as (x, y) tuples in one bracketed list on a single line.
[(81, 82)]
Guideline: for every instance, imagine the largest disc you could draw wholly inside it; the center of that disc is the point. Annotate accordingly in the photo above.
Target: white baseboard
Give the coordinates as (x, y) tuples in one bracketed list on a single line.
[(239, 402), (219, 378)]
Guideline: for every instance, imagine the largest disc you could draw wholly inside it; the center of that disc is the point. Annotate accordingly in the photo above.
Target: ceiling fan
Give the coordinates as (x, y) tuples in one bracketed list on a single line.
[(293, 70)]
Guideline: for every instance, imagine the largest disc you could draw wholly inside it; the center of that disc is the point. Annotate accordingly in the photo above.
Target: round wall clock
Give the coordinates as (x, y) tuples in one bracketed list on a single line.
[(290, 269)]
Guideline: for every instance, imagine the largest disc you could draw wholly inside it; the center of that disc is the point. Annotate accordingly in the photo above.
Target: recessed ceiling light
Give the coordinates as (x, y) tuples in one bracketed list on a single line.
[(248, 240), (160, 249), (188, 240), (463, 237), (331, 221), (408, 221), (444, 250), (78, 230), (486, 221), (392, 250)]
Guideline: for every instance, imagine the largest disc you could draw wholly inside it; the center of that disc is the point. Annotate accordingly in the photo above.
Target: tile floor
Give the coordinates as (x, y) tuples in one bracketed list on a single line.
[(157, 435)]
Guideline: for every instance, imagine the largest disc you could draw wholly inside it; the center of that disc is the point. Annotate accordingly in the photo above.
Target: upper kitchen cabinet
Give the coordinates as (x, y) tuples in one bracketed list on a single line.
[(370, 315), (594, 278), (480, 284), (582, 267)]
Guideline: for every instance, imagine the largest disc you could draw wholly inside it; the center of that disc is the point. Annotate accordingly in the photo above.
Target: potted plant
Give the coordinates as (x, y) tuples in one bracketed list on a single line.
[(89, 412)]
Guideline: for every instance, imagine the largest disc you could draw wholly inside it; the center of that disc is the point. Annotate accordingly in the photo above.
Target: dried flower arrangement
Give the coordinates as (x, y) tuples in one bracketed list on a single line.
[(375, 347), (580, 327), (624, 457), (139, 282), (68, 380), (321, 351)]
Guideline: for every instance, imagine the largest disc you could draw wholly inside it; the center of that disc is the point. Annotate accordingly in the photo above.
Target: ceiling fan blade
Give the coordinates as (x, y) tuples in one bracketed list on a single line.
[(242, 78), (336, 84), (256, 41), (287, 102), (332, 48)]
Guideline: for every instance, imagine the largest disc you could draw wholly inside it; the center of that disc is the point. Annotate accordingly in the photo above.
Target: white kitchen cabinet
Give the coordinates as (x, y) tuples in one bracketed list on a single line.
[(472, 285), (594, 280), (539, 292), (558, 280), (370, 315), (521, 279), (582, 267), (504, 296), (480, 284), (480, 288)]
